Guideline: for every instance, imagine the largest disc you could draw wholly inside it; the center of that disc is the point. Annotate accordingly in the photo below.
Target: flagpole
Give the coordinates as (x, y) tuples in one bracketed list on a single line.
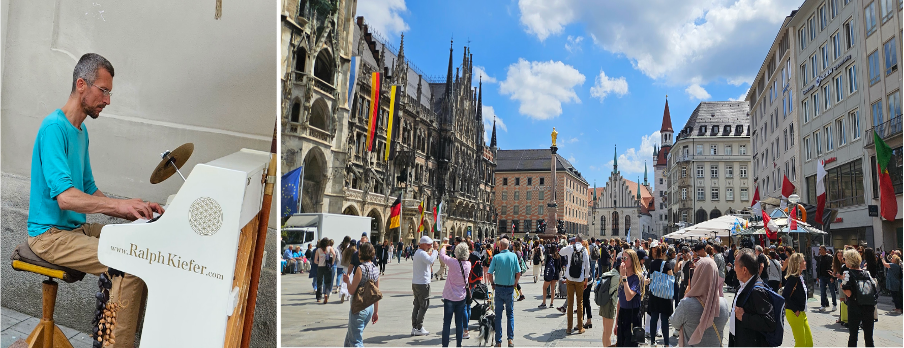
[(300, 189)]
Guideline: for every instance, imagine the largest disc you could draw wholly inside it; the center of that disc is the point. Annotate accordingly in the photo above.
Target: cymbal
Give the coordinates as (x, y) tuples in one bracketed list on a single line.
[(178, 156)]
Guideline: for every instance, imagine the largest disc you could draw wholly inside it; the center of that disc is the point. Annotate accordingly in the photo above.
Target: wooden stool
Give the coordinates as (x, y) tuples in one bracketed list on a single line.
[(47, 334)]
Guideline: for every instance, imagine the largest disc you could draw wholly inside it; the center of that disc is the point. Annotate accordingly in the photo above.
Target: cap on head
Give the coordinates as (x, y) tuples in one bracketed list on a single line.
[(426, 240), (363, 234)]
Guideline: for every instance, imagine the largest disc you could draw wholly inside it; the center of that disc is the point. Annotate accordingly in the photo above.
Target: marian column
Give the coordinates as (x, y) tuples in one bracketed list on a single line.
[(551, 219)]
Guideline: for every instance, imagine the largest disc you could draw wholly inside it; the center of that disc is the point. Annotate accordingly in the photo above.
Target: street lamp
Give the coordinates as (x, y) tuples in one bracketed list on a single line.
[(794, 199)]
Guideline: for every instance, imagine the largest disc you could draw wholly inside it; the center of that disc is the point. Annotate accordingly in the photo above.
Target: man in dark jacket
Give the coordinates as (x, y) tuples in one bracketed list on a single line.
[(751, 314), (826, 280)]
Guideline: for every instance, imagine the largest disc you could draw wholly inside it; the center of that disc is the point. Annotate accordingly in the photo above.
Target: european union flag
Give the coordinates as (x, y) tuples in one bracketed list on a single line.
[(291, 182)]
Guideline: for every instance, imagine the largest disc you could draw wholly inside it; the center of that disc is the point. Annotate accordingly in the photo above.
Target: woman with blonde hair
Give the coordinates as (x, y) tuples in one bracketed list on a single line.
[(860, 311), (795, 294), (893, 279), (630, 293)]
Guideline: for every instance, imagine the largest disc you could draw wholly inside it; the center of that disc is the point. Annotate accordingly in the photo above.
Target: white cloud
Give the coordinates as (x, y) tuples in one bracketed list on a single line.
[(681, 42), (481, 71), (632, 160), (605, 85), (488, 114), (697, 92), (545, 17), (541, 87), (384, 15), (574, 43), (572, 160), (572, 140)]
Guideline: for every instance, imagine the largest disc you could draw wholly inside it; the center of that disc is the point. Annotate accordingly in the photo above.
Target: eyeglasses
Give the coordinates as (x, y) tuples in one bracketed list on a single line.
[(106, 92)]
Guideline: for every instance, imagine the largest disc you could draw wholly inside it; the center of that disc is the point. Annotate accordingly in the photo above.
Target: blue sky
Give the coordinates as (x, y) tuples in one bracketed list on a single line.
[(597, 71)]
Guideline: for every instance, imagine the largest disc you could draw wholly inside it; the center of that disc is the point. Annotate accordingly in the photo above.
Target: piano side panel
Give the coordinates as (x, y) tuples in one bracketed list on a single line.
[(242, 280)]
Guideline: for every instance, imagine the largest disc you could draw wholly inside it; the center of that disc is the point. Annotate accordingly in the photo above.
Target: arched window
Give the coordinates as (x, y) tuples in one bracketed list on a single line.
[(614, 223), (323, 68), (301, 55), (715, 213), (700, 216), (296, 112), (602, 225), (319, 115), (627, 223)]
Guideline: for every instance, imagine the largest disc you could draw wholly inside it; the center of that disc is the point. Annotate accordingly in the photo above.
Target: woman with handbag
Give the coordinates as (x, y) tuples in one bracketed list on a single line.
[(795, 294), (839, 268), (324, 257), (662, 284), (629, 295), (456, 293), (366, 295), (702, 314)]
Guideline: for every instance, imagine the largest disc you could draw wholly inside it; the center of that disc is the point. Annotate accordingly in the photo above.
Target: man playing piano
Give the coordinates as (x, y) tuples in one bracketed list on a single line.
[(63, 192)]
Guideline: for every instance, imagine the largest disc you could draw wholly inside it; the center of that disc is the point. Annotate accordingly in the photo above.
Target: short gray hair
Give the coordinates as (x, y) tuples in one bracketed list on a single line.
[(759, 249), (87, 66), (462, 251)]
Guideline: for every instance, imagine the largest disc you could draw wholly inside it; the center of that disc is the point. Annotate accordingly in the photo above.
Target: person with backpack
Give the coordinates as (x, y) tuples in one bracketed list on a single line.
[(587, 290), (700, 317), (365, 280), (606, 293), (324, 257), (537, 260), (550, 274), (660, 304), (861, 291), (577, 272), (795, 294), (752, 313)]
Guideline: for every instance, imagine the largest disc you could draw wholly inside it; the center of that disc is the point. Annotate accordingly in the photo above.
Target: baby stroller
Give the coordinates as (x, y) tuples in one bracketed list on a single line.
[(483, 313)]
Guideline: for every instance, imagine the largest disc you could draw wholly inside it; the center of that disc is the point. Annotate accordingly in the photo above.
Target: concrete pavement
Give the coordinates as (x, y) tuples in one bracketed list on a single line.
[(306, 323)]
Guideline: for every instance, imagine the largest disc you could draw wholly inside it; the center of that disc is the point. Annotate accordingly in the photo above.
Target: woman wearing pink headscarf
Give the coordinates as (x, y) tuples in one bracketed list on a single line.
[(702, 314)]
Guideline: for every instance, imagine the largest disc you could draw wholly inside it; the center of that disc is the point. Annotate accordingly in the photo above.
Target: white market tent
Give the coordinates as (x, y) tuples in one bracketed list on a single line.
[(718, 227)]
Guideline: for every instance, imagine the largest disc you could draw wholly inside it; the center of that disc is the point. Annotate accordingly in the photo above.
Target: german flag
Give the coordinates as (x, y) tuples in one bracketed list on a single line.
[(395, 213)]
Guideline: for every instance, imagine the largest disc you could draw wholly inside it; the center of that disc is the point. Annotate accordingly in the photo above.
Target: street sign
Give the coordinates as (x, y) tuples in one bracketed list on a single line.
[(873, 210)]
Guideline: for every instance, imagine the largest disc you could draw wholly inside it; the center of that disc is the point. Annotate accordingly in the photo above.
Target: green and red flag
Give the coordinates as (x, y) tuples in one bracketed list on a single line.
[(888, 204)]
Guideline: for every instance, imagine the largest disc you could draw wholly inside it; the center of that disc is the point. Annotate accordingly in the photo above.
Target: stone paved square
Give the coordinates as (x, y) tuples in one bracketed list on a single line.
[(306, 323)]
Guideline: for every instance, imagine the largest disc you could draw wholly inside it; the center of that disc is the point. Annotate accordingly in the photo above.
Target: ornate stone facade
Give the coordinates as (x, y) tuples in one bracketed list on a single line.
[(437, 152)]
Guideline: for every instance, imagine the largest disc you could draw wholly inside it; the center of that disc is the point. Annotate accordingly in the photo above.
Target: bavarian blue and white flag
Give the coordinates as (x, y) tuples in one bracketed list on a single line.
[(352, 77)]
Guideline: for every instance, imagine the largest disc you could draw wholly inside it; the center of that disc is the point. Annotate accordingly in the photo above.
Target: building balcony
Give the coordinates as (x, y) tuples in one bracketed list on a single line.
[(886, 130), (320, 135), (324, 87)]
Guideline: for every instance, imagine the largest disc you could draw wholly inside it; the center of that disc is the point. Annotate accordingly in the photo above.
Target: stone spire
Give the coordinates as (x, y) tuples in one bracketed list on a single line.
[(447, 98), (638, 189), (480, 100), (493, 137), (615, 160), (645, 182)]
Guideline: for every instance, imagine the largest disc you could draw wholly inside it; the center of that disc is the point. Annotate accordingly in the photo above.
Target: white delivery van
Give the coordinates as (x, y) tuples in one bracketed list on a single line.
[(306, 228)]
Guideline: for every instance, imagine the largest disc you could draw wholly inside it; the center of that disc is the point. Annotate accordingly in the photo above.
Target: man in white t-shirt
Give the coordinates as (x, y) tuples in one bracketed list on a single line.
[(420, 283), (575, 283)]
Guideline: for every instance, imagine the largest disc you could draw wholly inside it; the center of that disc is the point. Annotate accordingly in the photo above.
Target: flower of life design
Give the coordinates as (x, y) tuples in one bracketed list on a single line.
[(205, 216)]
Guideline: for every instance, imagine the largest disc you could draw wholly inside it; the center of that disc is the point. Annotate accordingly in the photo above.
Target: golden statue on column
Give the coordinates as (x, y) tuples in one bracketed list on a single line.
[(554, 134)]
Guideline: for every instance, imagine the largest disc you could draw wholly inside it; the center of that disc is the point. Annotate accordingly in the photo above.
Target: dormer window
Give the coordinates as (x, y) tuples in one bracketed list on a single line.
[(726, 130), (714, 130), (702, 130), (739, 129)]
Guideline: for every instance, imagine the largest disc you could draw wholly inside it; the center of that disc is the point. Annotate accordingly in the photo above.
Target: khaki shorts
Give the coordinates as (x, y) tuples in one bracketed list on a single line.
[(608, 310)]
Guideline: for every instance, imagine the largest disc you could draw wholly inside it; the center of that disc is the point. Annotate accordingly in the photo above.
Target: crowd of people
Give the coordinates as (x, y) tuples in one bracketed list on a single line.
[(641, 289)]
